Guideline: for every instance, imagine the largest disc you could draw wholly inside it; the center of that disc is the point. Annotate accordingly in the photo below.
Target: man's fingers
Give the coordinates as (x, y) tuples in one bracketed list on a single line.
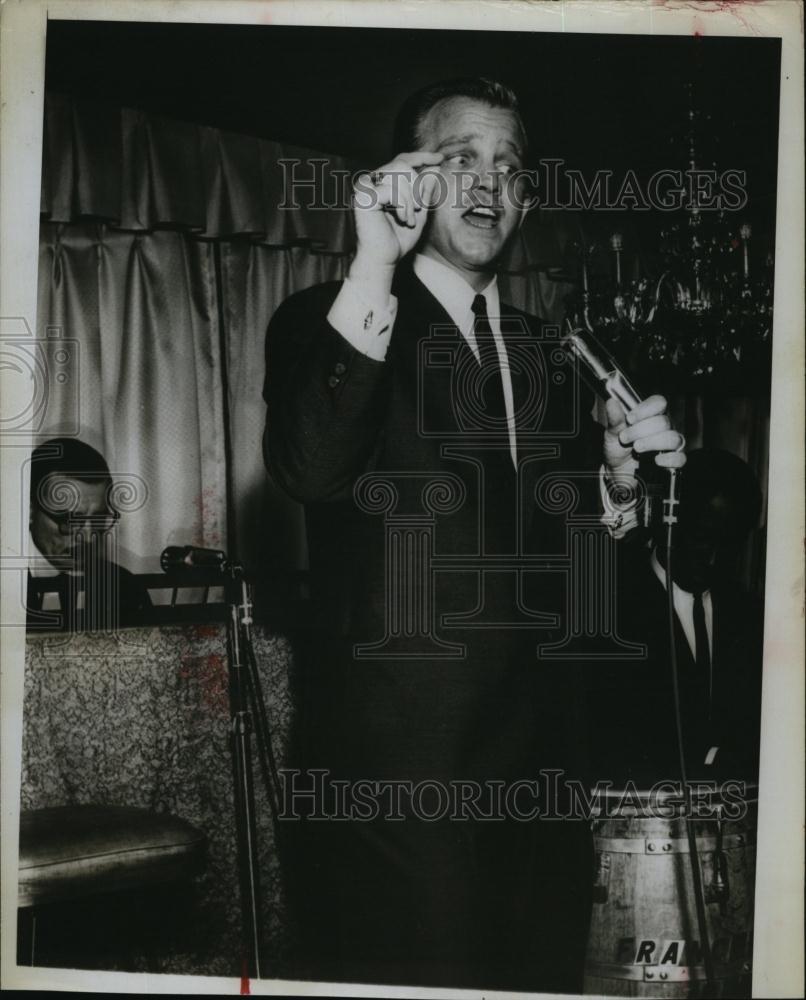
[(647, 427), (615, 414), (398, 187), (671, 459), (650, 407), (666, 441), (404, 201), (388, 191), (424, 189)]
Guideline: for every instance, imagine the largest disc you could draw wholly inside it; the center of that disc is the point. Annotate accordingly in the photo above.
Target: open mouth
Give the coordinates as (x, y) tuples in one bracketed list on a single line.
[(482, 217)]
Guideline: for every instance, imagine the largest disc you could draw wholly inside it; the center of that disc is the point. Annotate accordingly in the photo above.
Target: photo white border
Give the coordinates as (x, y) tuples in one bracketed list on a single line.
[(778, 949)]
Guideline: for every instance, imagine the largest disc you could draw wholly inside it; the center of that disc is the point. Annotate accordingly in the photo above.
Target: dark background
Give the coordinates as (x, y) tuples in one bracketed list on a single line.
[(596, 101)]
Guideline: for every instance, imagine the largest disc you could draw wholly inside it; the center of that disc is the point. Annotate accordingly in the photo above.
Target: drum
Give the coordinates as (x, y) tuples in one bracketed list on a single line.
[(644, 934)]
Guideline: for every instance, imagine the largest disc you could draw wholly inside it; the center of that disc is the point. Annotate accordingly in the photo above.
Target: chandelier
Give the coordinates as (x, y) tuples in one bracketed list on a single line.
[(704, 314)]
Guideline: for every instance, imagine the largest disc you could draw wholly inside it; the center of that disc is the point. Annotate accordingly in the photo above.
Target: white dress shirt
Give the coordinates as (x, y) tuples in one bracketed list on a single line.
[(684, 609), (39, 565), (369, 331), (41, 568)]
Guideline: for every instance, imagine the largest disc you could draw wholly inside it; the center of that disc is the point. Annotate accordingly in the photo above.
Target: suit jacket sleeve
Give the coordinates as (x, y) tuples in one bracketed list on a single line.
[(325, 401)]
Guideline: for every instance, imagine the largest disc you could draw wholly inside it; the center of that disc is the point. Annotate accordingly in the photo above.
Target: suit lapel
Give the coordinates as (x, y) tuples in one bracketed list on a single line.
[(418, 310), (425, 335)]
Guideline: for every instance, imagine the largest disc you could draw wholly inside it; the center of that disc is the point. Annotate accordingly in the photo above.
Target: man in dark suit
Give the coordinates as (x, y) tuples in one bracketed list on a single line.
[(718, 639), (414, 415), (72, 582)]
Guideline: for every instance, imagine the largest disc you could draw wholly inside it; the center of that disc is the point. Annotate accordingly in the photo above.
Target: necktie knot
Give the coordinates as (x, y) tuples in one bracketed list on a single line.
[(483, 331)]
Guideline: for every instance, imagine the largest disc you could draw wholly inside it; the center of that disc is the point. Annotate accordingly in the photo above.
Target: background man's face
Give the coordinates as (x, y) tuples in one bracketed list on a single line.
[(471, 226), (709, 524), (54, 535)]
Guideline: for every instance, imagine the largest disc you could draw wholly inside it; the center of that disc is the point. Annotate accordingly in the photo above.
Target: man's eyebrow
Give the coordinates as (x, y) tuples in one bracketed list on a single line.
[(459, 139), (454, 139)]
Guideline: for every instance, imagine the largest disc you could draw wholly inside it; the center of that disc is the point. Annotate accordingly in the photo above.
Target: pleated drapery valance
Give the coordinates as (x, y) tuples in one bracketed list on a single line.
[(137, 171)]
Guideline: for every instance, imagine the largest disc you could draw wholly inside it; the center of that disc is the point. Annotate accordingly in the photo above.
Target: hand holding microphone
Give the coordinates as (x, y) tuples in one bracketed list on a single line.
[(635, 426), (644, 429)]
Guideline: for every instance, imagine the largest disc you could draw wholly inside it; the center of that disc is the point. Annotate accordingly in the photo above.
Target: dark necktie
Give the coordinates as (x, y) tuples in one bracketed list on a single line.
[(499, 481), (492, 385), (703, 652)]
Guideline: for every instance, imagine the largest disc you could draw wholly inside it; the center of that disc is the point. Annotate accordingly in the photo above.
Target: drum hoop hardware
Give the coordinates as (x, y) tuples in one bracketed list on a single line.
[(662, 847), (661, 974)]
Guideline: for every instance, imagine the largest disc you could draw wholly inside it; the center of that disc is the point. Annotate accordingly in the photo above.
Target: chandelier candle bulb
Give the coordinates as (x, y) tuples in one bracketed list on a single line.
[(616, 243), (745, 232)]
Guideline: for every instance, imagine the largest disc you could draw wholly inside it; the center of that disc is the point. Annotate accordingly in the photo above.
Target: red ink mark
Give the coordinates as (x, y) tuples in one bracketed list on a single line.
[(210, 673), (733, 7), (208, 515), (204, 631), (245, 991)]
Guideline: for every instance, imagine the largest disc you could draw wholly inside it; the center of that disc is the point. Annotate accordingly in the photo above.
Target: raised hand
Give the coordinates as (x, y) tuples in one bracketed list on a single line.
[(390, 207)]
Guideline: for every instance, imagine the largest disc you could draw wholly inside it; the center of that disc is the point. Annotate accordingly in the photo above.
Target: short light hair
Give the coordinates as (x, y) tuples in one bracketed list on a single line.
[(411, 117)]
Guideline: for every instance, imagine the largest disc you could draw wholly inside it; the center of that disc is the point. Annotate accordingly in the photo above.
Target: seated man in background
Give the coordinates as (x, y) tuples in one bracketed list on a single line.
[(719, 634), (70, 522)]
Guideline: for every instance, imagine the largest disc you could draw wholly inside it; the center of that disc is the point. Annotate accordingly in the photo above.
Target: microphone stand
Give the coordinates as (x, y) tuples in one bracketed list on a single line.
[(248, 717)]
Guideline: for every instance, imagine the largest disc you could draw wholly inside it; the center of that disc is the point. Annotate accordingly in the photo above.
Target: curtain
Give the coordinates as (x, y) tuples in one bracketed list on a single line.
[(138, 314), (142, 172), (154, 231)]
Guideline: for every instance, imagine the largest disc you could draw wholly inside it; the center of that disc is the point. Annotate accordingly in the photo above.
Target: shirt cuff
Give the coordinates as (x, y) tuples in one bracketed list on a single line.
[(365, 328), (619, 518)]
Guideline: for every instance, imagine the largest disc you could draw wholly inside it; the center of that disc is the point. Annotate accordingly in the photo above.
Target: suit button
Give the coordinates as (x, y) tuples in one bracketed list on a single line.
[(333, 381), (340, 368)]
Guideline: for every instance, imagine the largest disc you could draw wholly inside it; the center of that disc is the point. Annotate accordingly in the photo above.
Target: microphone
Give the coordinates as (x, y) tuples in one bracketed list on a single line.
[(185, 557), (602, 373), (600, 369)]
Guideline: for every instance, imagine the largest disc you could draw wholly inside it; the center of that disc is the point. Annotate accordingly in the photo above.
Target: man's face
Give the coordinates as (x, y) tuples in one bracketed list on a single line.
[(708, 523), (59, 518), (482, 147)]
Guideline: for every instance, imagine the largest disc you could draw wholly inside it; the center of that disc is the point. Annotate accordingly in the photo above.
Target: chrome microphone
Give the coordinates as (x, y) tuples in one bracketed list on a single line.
[(600, 369), (603, 375)]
